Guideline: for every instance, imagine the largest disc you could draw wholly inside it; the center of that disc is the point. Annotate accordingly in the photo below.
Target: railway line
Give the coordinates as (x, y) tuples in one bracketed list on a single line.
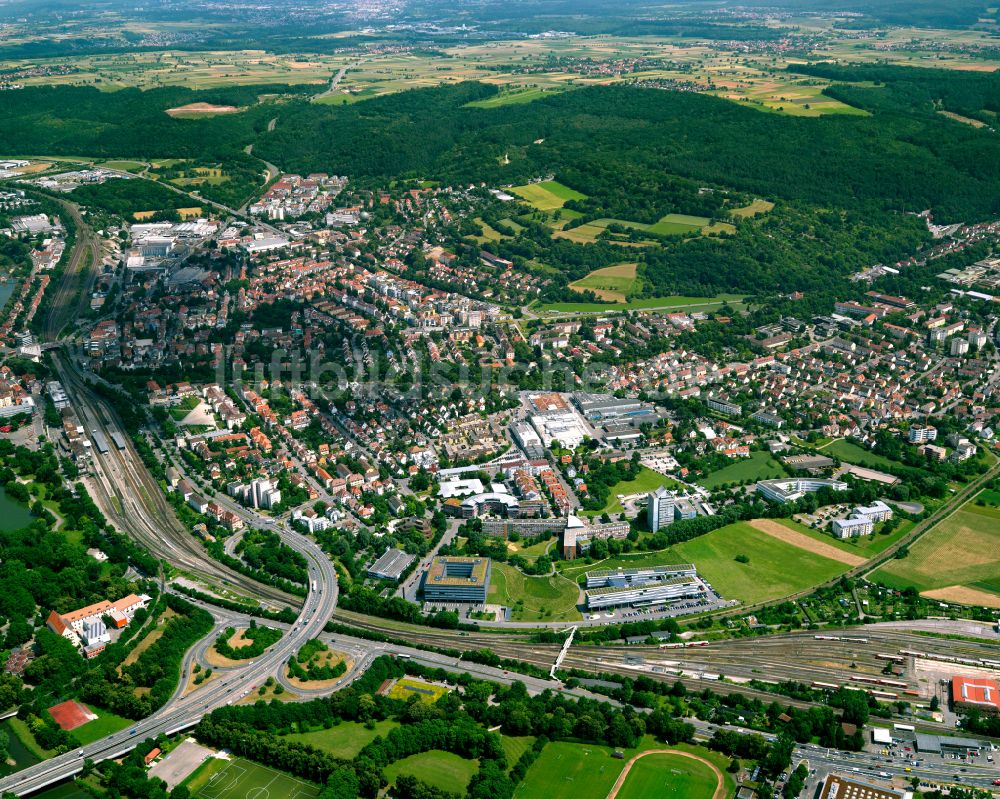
[(85, 257), (131, 498)]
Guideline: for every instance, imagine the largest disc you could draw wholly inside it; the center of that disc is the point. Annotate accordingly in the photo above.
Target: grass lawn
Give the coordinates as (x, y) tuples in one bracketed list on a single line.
[(646, 481), (550, 598), (867, 546), (239, 778), (675, 303), (188, 404), (489, 233), (105, 724), (584, 771), (531, 551), (512, 97), (344, 740), (573, 569), (759, 466), (612, 283), (514, 746), (754, 208), (776, 568), (125, 166), (667, 775), (440, 769), (962, 550), (406, 687), (850, 452), (547, 195)]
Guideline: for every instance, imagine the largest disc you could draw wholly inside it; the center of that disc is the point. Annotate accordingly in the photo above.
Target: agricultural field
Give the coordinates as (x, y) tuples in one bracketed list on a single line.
[(442, 770), (239, 779), (759, 466), (197, 70), (775, 568), (547, 195), (515, 96), (346, 739), (958, 560), (753, 209), (488, 234), (550, 598), (671, 224), (611, 284)]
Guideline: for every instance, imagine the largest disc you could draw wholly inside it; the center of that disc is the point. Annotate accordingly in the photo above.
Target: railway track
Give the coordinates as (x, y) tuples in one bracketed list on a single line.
[(85, 257), (130, 497)]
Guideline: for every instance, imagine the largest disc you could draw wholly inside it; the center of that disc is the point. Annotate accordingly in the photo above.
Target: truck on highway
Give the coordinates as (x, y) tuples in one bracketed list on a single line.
[(313, 585)]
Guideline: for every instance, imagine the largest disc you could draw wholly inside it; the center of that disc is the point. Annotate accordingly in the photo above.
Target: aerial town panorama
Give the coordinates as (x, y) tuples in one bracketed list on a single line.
[(526, 400)]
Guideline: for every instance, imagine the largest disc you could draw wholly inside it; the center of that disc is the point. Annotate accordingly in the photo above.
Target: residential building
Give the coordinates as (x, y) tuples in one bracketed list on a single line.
[(660, 510)]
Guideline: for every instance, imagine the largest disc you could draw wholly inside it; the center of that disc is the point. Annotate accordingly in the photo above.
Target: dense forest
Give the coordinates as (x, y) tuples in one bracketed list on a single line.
[(603, 136)]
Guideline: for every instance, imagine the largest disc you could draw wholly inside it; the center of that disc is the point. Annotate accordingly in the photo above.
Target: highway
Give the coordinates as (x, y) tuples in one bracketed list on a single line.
[(185, 711)]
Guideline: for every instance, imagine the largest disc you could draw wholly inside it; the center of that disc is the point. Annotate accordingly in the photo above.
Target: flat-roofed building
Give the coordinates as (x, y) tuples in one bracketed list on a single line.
[(724, 406), (660, 510), (837, 787), (391, 565), (669, 589), (852, 527), (608, 588), (790, 490), (457, 580)]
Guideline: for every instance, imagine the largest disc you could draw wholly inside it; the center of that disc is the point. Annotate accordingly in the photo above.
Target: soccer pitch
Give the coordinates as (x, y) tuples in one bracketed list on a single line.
[(241, 779)]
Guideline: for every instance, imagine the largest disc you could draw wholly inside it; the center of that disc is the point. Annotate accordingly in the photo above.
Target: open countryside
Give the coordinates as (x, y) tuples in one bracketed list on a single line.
[(957, 560)]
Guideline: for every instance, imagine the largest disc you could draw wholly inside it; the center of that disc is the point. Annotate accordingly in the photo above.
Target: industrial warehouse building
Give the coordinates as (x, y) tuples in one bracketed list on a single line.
[(457, 580), (610, 588), (391, 565), (976, 693)]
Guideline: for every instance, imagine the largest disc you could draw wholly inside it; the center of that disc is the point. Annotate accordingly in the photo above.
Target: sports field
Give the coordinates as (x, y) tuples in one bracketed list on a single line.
[(776, 568), (612, 283), (759, 466), (441, 769), (345, 739), (956, 561), (547, 195), (575, 770), (242, 779), (670, 775), (551, 598)]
